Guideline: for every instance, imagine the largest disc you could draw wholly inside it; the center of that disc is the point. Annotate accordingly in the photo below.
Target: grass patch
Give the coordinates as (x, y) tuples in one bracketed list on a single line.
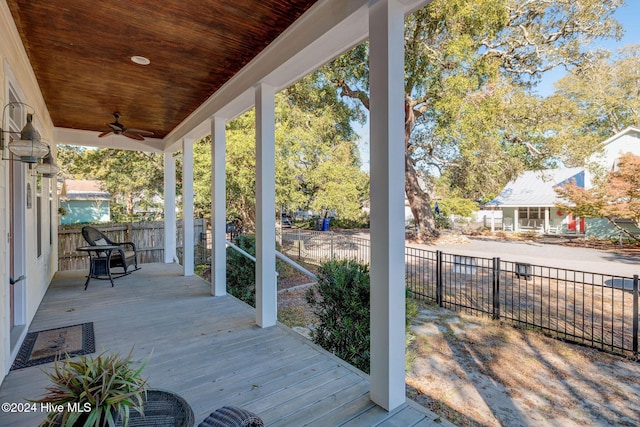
[(294, 316)]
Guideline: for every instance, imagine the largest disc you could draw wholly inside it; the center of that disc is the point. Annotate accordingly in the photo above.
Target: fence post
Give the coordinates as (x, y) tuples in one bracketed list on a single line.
[(299, 245), (635, 314), (439, 278), (496, 288), (331, 244)]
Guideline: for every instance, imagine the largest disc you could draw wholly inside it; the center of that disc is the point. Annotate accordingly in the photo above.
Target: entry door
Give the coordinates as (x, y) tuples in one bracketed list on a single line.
[(571, 223), (17, 242)]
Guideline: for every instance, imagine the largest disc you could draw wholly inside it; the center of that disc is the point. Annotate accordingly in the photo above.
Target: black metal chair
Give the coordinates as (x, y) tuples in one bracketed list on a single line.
[(124, 257)]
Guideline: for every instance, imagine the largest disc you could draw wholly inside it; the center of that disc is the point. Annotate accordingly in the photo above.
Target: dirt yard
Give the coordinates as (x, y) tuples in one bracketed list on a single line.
[(476, 372)]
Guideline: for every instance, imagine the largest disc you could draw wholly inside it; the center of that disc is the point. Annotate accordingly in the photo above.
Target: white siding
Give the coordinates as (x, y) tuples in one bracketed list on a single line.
[(627, 141), (15, 70)]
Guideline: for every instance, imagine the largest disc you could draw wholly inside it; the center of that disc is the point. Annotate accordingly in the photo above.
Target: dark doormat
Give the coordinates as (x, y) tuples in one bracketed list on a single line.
[(45, 346)]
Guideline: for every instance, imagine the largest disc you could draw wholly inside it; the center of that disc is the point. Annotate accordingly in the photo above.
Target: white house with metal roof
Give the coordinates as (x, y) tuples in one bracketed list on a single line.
[(529, 202)]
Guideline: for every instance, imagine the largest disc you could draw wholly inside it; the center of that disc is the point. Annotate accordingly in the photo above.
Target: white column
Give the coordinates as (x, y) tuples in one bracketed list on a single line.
[(546, 220), (169, 208), (493, 219), (386, 38), (218, 207), (187, 206), (266, 295), (516, 219)]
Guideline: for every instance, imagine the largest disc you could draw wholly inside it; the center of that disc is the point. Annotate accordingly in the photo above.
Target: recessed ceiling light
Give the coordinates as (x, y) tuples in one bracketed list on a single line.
[(140, 60)]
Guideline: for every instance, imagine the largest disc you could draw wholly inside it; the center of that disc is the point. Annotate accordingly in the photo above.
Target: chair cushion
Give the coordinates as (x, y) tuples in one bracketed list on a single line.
[(116, 259), (101, 242)]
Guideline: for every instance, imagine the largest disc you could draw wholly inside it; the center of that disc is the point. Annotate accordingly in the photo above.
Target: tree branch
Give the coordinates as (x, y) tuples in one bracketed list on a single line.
[(347, 91)]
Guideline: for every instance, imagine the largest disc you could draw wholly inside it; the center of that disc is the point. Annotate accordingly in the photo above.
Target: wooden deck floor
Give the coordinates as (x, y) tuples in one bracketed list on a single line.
[(208, 350)]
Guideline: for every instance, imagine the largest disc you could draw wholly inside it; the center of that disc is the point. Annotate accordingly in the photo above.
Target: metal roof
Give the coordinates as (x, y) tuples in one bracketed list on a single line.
[(536, 188)]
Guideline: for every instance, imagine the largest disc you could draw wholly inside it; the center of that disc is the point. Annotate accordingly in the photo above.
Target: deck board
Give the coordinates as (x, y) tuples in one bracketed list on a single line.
[(207, 349)]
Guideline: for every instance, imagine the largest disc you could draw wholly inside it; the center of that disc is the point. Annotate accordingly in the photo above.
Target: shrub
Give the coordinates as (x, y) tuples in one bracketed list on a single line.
[(351, 224), (341, 304), (443, 222), (241, 271)]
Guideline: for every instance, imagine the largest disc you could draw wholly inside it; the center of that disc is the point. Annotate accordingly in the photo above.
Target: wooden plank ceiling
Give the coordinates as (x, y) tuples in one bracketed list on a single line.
[(81, 54)]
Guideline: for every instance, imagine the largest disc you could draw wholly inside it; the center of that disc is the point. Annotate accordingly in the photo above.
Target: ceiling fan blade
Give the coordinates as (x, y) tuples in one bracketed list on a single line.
[(133, 135), (140, 131), (105, 133)]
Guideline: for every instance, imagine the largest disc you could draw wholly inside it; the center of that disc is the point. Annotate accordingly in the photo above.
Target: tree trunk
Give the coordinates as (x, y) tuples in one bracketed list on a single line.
[(624, 230), (419, 200), (130, 205)]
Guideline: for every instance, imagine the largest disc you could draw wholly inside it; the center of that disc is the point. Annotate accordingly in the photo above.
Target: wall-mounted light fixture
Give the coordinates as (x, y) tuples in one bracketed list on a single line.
[(29, 148), (48, 167)]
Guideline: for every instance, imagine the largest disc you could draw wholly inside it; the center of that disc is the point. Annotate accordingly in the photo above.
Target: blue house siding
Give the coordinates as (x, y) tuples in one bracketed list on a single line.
[(600, 228), (85, 211)]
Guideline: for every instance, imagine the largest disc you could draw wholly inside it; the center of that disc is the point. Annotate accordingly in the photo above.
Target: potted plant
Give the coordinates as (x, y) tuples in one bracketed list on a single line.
[(91, 391)]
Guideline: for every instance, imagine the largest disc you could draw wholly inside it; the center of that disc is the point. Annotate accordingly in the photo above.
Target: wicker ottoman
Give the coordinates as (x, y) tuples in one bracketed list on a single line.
[(162, 409), (231, 416)]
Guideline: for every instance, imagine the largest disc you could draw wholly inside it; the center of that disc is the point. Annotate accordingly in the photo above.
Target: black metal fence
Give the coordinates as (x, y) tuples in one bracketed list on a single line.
[(592, 309)]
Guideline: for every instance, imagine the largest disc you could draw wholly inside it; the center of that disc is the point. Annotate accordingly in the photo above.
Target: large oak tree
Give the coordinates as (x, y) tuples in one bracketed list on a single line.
[(468, 66)]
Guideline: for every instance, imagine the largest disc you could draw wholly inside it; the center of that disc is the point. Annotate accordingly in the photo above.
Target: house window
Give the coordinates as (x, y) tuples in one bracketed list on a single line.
[(534, 213), (530, 213)]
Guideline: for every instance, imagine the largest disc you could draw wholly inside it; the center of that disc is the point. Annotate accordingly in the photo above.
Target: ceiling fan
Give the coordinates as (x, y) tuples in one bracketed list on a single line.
[(118, 128)]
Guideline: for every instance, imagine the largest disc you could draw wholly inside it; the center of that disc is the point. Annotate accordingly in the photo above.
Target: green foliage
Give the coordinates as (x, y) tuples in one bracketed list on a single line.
[(241, 271), (596, 101), (317, 161), (454, 205), (341, 304), (351, 224), (443, 222), (108, 383), (133, 178)]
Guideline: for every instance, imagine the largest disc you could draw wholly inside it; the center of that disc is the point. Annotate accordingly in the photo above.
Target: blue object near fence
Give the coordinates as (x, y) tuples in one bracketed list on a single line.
[(325, 224)]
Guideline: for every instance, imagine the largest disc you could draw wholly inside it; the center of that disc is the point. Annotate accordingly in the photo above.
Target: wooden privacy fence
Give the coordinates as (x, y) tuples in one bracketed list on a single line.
[(148, 237)]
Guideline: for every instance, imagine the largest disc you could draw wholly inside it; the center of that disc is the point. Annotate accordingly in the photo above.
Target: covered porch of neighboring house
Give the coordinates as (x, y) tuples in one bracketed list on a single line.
[(539, 219), (209, 351), (320, 31), (528, 203)]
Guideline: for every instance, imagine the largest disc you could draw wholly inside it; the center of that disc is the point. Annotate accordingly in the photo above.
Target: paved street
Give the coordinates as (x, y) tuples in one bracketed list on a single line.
[(548, 254)]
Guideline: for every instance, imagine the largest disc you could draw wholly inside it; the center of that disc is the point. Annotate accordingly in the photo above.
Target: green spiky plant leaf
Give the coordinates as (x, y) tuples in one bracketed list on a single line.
[(109, 383)]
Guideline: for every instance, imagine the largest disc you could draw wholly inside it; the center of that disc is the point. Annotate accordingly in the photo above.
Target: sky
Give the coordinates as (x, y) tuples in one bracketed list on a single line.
[(628, 16)]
